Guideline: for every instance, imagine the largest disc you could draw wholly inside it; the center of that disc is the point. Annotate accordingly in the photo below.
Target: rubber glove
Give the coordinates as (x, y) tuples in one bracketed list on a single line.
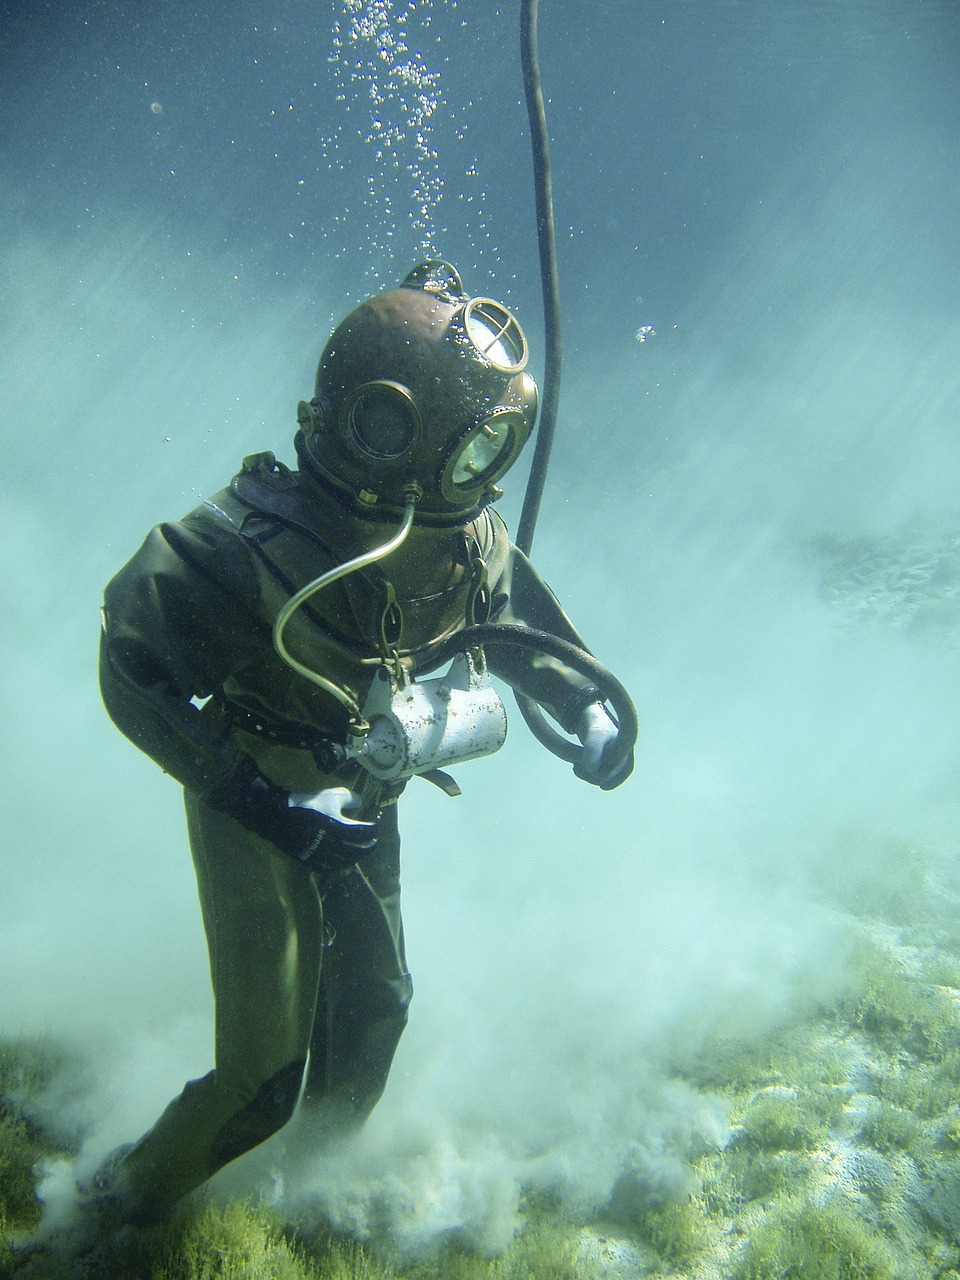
[(597, 731), (311, 827), (343, 839)]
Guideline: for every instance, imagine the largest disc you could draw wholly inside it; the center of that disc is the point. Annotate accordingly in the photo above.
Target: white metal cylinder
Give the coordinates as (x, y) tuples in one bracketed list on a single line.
[(431, 724)]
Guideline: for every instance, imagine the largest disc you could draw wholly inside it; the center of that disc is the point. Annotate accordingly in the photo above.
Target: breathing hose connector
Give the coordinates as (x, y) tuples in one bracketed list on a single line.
[(412, 494)]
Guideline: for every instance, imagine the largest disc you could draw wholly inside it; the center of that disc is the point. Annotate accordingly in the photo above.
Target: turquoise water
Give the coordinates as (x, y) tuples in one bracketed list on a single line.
[(751, 514)]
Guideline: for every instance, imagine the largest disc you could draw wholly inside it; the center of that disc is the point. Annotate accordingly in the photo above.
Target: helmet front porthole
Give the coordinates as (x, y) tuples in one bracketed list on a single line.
[(478, 453), (484, 452)]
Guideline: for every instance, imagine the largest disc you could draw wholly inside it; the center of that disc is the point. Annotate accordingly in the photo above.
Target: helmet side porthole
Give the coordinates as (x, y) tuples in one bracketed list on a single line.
[(380, 420)]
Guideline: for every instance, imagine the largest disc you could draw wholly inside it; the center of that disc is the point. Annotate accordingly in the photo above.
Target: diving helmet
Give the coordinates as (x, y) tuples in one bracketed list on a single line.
[(420, 387)]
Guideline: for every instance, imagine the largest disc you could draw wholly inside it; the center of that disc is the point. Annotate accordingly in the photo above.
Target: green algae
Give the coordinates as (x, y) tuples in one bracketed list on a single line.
[(778, 1122), (817, 1242), (27, 1069), (676, 1231), (890, 1128)]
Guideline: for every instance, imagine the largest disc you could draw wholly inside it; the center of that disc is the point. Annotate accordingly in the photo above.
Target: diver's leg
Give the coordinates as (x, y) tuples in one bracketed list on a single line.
[(264, 924), (365, 991)]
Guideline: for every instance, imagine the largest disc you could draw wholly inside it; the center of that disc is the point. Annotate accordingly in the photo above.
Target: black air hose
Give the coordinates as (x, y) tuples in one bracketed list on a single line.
[(495, 633), (553, 342), (553, 357)]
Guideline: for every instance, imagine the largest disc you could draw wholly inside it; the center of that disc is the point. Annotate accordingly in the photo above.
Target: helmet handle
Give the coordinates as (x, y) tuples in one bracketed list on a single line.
[(435, 275)]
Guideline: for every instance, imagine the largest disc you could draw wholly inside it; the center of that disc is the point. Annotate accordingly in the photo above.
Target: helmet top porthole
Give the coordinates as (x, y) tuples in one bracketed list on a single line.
[(493, 331)]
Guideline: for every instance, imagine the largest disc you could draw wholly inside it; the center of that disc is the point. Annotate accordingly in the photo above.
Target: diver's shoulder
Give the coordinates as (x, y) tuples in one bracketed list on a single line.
[(494, 541), (491, 529), (263, 488)]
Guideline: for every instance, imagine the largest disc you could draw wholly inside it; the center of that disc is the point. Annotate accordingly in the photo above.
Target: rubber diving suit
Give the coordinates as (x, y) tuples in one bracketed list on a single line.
[(302, 910)]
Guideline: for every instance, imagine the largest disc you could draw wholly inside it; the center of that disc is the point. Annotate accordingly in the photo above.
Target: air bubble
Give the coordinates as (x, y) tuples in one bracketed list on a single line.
[(404, 94)]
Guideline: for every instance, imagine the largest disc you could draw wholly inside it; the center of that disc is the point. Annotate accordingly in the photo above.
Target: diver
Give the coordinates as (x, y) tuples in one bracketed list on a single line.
[(242, 648)]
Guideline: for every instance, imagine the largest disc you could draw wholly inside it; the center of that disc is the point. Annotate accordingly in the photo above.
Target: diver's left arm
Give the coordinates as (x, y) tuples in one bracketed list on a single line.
[(520, 597)]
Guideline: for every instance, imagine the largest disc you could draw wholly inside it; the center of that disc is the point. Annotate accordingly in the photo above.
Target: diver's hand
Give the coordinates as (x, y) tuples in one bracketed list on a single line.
[(312, 828), (597, 732), (343, 839), (332, 802)]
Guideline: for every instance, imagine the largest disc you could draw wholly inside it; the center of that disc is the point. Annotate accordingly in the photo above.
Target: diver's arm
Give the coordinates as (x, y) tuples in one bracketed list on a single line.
[(521, 598), (175, 626)]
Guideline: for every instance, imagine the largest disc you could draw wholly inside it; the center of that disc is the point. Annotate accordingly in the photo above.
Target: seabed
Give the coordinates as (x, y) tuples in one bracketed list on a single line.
[(841, 1158)]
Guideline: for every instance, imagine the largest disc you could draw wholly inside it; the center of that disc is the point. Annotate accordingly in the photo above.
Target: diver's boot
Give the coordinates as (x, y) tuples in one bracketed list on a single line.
[(90, 1247), (92, 1242)]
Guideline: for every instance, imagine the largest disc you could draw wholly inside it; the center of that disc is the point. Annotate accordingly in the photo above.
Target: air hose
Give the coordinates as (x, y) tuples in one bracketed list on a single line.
[(495, 633), (343, 696), (546, 241), (572, 655), (612, 690)]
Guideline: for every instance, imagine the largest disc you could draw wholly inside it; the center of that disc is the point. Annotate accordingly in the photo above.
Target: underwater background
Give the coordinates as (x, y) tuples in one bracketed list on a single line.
[(716, 1011)]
